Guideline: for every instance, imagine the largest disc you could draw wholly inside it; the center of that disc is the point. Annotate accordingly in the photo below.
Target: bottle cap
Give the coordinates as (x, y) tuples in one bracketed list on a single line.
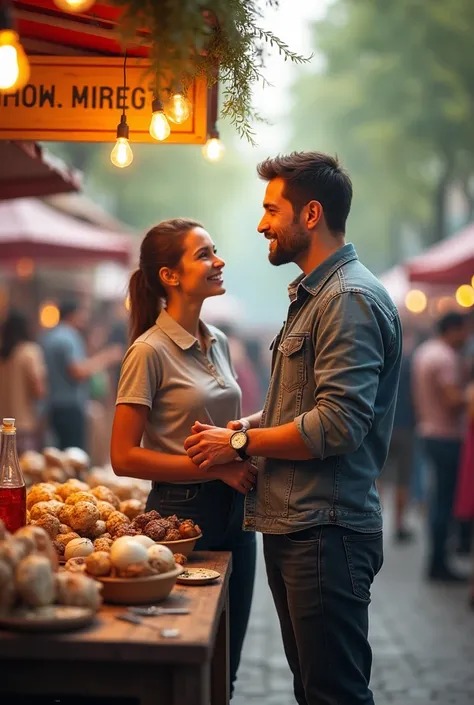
[(8, 425)]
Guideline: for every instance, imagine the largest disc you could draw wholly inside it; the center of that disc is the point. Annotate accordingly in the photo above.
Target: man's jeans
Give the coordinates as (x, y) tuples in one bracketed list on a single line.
[(444, 456), (321, 579)]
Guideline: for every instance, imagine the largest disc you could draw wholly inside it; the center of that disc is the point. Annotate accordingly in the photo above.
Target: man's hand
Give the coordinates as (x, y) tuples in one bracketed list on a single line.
[(209, 445)]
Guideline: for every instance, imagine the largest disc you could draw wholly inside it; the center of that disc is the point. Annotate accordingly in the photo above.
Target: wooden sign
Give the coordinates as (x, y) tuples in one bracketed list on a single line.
[(80, 99)]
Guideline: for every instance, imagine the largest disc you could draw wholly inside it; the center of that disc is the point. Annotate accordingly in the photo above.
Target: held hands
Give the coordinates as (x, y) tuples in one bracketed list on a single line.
[(209, 445)]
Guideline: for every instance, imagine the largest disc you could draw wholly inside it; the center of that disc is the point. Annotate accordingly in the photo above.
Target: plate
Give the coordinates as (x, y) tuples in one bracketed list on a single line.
[(184, 546), (139, 591), (53, 618), (198, 576)]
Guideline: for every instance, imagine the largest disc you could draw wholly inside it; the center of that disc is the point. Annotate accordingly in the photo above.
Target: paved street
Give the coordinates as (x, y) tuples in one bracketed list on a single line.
[(422, 637)]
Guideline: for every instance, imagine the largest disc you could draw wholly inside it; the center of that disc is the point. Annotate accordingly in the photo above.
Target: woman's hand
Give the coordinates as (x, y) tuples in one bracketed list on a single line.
[(239, 425), (241, 476)]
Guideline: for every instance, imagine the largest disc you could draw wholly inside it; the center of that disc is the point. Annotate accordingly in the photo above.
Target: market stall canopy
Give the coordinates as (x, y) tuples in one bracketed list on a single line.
[(449, 262), (28, 170), (45, 29), (30, 228)]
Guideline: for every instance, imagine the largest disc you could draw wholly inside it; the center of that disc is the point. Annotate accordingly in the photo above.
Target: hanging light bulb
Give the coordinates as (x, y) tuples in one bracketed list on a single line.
[(159, 125), (74, 5), (14, 65), (178, 108), (214, 149), (122, 155)]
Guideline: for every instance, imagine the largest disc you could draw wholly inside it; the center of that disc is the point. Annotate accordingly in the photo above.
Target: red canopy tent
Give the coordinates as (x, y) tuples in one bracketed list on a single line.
[(31, 229), (28, 170), (449, 262)]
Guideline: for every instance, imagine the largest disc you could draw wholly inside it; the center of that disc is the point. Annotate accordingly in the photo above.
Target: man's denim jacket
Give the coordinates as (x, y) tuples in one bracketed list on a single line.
[(335, 370)]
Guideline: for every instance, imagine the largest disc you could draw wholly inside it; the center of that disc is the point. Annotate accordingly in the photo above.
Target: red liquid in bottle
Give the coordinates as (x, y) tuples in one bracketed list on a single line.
[(13, 507)]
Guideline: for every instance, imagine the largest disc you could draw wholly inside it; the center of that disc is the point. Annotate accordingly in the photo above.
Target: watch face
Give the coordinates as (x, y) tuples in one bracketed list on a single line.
[(239, 440)]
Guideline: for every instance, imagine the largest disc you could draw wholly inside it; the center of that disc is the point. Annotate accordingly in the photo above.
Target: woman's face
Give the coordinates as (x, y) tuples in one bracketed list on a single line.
[(199, 272)]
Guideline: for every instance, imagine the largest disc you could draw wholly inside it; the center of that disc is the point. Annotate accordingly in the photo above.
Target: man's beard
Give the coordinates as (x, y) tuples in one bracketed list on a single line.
[(288, 245)]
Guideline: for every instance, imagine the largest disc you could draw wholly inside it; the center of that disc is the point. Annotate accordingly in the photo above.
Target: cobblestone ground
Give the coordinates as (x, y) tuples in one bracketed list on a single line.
[(422, 638)]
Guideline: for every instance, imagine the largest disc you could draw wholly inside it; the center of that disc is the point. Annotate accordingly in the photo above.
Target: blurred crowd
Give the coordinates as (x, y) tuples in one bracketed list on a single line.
[(431, 459)]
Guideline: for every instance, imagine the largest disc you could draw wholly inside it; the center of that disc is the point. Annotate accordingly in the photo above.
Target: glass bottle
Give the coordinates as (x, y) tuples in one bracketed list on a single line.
[(12, 483)]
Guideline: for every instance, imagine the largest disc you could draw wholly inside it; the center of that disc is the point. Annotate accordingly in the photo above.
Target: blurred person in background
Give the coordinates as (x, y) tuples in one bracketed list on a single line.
[(399, 468), (178, 370), (440, 404), (22, 380), (69, 373)]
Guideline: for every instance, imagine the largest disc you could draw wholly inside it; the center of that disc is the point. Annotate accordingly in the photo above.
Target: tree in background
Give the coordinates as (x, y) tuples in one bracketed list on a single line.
[(394, 99)]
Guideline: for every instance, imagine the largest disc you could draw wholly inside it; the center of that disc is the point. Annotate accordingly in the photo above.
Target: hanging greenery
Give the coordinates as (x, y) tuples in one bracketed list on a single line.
[(218, 39)]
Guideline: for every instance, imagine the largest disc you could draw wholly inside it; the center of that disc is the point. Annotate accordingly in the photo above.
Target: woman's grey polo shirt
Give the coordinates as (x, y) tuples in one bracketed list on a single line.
[(166, 371)]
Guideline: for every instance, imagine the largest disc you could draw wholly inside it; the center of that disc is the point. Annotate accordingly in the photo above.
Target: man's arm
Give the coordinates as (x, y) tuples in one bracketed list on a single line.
[(348, 361)]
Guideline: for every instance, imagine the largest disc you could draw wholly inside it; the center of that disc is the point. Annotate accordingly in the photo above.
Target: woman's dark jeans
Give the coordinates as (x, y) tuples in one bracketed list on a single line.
[(219, 510)]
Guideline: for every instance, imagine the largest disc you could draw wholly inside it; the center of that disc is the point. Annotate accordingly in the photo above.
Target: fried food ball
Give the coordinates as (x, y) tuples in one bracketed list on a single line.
[(180, 558), (103, 544), (65, 513), (42, 492), (186, 529), (115, 521), (54, 457), (37, 537), (51, 507), (35, 581), (76, 565), (105, 509), (138, 570), (64, 528), (132, 508), (104, 494), (125, 530), (155, 529), (143, 519), (78, 589), (59, 548), (197, 530), (174, 521), (54, 475), (83, 516), (172, 535), (70, 487), (81, 496), (50, 524), (97, 530), (65, 538), (98, 563)]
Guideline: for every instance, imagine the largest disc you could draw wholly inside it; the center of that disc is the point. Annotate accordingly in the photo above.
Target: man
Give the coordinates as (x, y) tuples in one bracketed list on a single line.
[(68, 372), (439, 403), (324, 432)]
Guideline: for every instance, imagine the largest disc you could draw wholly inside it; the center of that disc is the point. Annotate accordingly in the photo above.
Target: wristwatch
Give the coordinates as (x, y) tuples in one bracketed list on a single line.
[(239, 441)]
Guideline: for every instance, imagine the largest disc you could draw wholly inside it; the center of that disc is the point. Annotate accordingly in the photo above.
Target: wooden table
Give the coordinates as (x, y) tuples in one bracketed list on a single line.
[(129, 663)]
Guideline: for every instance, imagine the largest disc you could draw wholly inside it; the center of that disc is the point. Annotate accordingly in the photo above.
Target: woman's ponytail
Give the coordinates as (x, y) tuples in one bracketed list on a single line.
[(145, 305)]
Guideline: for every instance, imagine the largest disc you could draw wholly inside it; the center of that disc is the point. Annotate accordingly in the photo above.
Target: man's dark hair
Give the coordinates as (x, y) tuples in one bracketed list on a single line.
[(66, 308), (450, 321), (312, 176)]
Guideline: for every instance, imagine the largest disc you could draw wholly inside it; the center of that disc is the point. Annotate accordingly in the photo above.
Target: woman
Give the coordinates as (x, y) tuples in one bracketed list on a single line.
[(178, 371), (22, 380)]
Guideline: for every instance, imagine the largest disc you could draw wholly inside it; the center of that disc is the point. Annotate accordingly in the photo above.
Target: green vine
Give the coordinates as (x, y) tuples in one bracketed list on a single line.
[(218, 39)]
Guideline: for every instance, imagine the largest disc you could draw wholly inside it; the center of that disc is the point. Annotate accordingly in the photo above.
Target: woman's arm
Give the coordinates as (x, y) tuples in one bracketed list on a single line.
[(129, 459)]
